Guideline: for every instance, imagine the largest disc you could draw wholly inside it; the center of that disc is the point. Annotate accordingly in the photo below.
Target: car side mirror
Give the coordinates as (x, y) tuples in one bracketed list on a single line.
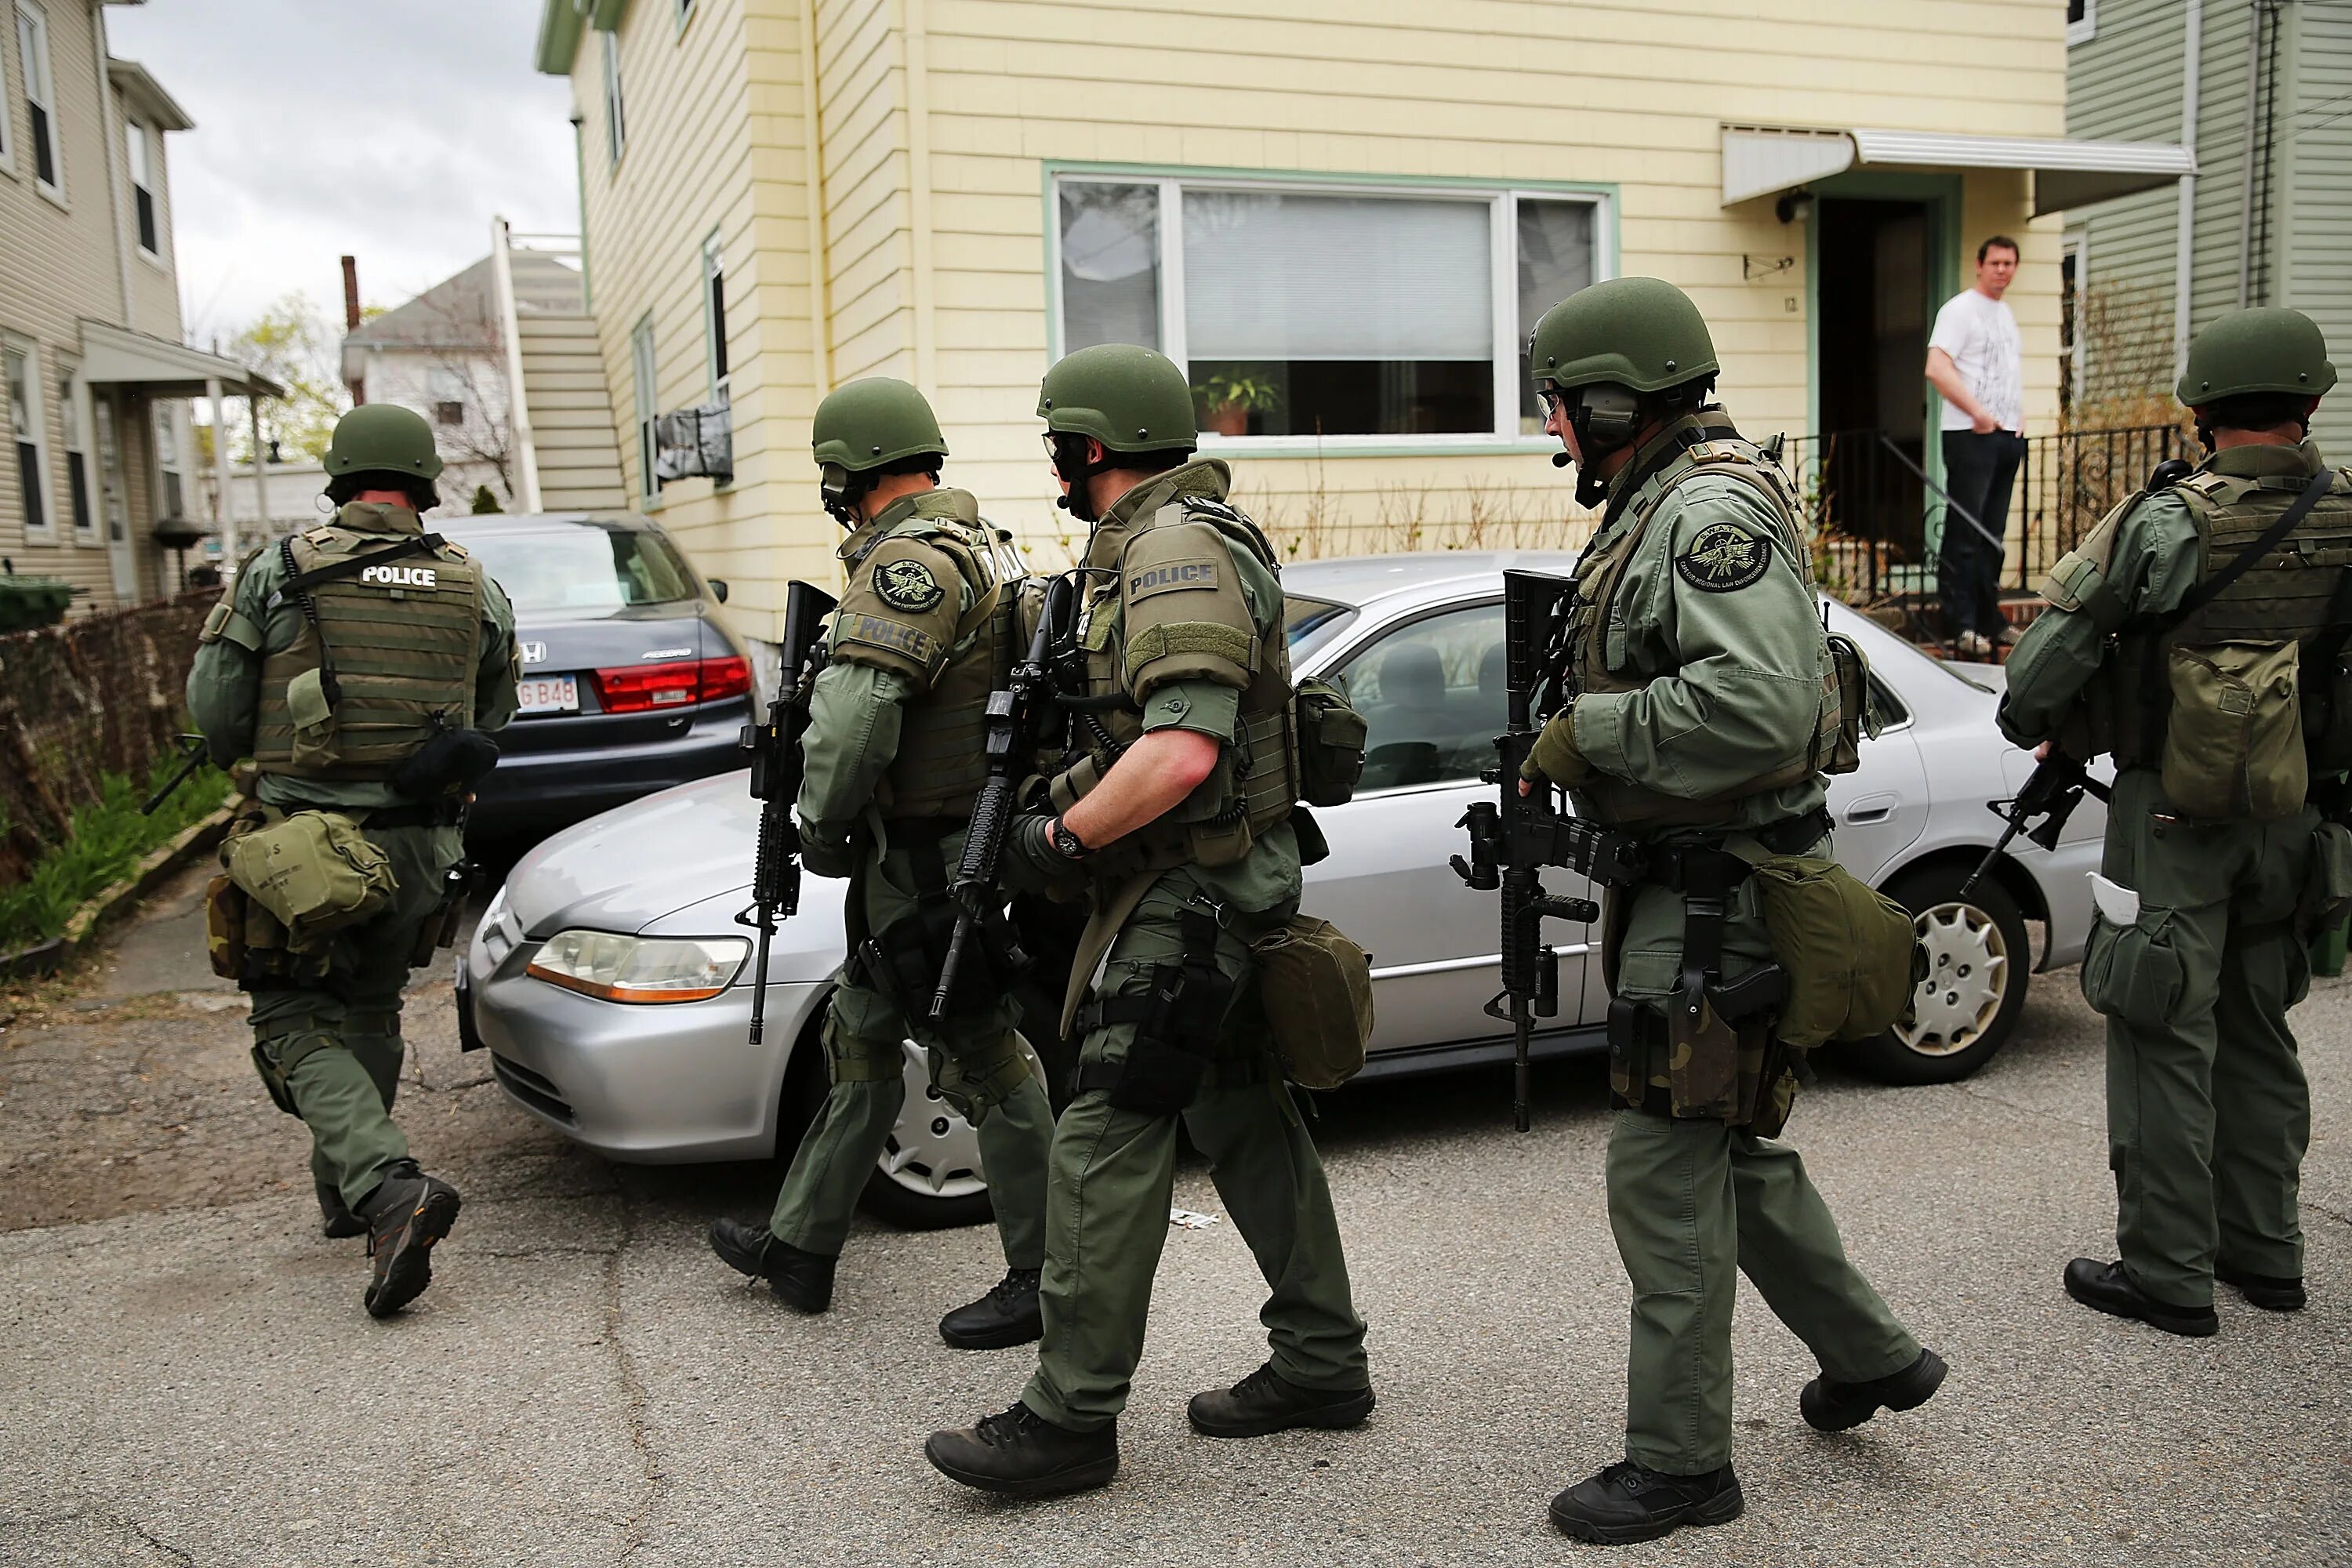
[(718, 589)]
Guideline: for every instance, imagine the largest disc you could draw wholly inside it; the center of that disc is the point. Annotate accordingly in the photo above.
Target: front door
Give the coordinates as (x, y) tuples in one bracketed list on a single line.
[(1875, 268), (112, 507)]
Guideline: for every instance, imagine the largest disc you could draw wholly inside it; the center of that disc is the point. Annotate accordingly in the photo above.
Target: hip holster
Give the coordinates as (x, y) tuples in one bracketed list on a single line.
[(1177, 1022), (903, 961)]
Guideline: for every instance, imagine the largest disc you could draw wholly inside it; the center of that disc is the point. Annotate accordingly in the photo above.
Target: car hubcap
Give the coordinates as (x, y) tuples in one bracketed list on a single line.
[(1968, 974), (933, 1151)]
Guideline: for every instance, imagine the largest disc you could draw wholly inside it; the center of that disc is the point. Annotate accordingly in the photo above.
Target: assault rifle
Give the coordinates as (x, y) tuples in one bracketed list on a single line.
[(775, 748), (2052, 791), (192, 756), (980, 906), (1515, 837)]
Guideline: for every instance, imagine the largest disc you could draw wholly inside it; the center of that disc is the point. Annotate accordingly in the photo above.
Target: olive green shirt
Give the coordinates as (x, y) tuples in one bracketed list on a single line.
[(225, 683), (857, 711), (1268, 876), (1732, 676), (2151, 559)]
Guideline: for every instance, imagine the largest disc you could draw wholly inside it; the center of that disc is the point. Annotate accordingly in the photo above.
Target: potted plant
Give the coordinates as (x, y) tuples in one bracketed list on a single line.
[(1227, 401)]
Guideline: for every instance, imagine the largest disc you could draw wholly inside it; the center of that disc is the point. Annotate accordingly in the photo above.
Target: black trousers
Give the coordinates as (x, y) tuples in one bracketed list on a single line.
[(1978, 473)]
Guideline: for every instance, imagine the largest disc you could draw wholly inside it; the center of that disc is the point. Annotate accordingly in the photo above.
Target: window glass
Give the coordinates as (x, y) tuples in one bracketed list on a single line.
[(1307, 623), (143, 188), (1110, 264), (24, 424), (172, 499), (616, 132), (714, 316), (1339, 315), (582, 569), (40, 97), (77, 460), (1432, 694), (1556, 259)]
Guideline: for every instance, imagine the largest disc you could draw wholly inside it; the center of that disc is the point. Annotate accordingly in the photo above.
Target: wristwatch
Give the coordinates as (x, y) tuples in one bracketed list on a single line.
[(1065, 842)]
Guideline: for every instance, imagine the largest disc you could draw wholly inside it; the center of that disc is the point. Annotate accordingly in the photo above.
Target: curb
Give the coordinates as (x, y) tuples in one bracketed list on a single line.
[(198, 839)]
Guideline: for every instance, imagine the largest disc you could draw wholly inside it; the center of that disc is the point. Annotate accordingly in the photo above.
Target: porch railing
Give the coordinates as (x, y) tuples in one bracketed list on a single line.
[(1869, 494)]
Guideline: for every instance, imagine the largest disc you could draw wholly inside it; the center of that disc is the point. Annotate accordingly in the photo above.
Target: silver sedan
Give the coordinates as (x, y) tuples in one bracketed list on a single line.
[(611, 983)]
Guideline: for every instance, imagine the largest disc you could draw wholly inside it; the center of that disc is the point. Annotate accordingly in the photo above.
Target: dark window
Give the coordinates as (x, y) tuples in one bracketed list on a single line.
[(449, 412), (147, 239), (2077, 9), (44, 159), (78, 482)]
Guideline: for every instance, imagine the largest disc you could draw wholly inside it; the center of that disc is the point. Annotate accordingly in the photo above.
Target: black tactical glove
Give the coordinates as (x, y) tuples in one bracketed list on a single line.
[(1033, 861)]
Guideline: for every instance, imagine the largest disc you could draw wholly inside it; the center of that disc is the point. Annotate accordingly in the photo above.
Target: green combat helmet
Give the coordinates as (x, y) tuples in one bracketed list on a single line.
[(872, 422), (382, 438), (1129, 398), (1638, 332), (2263, 350)]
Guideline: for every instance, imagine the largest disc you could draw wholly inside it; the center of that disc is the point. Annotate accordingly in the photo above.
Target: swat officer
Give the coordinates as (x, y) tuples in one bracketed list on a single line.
[(1174, 817), (2173, 641), (893, 759), (350, 663), (1706, 694)]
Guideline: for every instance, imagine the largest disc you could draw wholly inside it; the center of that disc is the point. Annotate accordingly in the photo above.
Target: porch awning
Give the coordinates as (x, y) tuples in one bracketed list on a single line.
[(1760, 159), (110, 354)]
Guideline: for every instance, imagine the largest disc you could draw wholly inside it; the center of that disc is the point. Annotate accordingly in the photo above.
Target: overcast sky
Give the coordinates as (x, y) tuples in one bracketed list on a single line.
[(392, 132)]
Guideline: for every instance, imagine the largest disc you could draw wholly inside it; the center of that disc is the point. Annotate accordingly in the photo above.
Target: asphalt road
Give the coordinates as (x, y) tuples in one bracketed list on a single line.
[(186, 1376)]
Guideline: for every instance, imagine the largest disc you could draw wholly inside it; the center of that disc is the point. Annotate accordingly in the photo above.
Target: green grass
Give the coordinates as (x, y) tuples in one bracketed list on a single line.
[(107, 840)]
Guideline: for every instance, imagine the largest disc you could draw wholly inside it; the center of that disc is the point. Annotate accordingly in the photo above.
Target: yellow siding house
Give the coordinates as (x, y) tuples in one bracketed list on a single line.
[(1342, 215)]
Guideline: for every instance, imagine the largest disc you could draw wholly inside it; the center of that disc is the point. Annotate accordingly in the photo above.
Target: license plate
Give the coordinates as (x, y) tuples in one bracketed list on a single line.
[(549, 693)]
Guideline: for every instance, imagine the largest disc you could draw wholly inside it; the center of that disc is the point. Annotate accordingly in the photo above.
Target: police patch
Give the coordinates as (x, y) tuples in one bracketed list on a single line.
[(907, 585), (1723, 559)]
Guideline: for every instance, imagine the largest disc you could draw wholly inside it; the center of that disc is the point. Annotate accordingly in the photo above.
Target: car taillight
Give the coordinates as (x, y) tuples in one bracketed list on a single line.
[(643, 689)]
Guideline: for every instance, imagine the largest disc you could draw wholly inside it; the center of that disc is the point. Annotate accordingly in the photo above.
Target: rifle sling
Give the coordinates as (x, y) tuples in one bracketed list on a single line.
[(351, 566)]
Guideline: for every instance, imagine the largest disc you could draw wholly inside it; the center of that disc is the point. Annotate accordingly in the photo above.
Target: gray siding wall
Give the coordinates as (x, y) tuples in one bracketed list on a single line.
[(2313, 151), (2124, 85)]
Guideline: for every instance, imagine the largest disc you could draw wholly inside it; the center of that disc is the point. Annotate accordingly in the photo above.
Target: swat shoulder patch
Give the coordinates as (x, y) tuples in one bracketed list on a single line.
[(907, 585), (1722, 558)]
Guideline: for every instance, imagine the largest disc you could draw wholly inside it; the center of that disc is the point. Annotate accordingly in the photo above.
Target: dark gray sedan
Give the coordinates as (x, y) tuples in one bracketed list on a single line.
[(631, 679)]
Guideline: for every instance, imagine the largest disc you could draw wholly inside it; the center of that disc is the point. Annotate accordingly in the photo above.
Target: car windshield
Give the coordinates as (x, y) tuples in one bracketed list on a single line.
[(584, 569), (1307, 623)]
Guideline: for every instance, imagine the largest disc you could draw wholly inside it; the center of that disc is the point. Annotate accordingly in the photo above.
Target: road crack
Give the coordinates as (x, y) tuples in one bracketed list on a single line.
[(637, 1525)]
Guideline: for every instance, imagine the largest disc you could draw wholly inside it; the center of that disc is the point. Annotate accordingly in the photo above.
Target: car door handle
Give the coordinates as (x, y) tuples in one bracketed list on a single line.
[(1870, 808)]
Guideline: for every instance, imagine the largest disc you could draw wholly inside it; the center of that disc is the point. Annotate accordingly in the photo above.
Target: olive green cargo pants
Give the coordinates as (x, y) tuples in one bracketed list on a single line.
[(976, 1066), (1689, 1201), (332, 1050), (2208, 1110), (1114, 1174)]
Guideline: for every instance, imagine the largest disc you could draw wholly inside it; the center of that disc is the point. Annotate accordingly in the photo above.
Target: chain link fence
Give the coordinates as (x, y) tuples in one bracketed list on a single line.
[(105, 694)]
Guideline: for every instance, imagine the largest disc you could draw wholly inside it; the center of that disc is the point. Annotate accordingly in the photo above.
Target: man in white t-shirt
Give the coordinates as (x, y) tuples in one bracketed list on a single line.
[(1974, 360)]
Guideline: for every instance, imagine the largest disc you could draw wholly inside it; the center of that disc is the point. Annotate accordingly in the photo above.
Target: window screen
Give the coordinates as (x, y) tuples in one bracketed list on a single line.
[(1556, 259)]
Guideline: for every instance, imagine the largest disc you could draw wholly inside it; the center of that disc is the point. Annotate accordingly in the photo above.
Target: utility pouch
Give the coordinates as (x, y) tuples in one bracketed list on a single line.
[(1185, 1007), (314, 718), (1317, 986), (1635, 1028), (1849, 952), (1332, 736), (314, 871), (448, 765), (2233, 745), (2133, 972), (440, 929), (1856, 721), (2328, 887), (1702, 1056), (225, 907)]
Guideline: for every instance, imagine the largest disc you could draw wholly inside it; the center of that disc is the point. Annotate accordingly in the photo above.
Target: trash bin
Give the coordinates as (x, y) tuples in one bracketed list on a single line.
[(26, 603)]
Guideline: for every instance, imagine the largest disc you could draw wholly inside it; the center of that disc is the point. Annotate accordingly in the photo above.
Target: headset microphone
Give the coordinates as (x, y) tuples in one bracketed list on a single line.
[(1062, 501), (1561, 459)]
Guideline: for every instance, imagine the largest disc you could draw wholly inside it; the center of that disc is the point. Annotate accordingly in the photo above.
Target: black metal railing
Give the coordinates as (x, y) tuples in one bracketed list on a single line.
[(1869, 495)]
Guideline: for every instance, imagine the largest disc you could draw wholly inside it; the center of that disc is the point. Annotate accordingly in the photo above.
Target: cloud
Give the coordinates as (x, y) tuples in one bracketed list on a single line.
[(390, 133)]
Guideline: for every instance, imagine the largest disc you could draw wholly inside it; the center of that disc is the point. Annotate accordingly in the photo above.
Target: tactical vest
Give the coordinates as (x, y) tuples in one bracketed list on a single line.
[(941, 760), (1599, 659), (1255, 781), (404, 642), (2289, 595)]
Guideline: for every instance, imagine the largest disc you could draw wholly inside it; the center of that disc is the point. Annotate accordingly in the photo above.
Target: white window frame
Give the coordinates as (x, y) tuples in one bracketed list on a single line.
[(73, 427), (718, 372), (1510, 360), (33, 46), (2084, 31), (171, 412), (143, 147), (642, 373), (36, 427), (7, 108), (616, 130)]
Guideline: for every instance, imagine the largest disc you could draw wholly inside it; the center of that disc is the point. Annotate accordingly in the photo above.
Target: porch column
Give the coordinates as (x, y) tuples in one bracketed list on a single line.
[(230, 554), (261, 512)]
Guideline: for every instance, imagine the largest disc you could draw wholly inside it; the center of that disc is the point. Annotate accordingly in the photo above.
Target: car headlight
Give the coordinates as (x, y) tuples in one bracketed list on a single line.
[(618, 968)]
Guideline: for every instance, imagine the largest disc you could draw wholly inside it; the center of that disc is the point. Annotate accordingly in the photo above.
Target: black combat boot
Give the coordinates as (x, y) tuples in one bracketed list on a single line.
[(406, 1213), (2107, 1288), (1266, 1401), (336, 1218), (1629, 1502), (801, 1281), (1830, 1405), (1007, 1315), (1022, 1453), (2270, 1292)]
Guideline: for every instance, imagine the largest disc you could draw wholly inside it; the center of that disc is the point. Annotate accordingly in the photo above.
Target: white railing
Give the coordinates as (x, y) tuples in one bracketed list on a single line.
[(518, 400)]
